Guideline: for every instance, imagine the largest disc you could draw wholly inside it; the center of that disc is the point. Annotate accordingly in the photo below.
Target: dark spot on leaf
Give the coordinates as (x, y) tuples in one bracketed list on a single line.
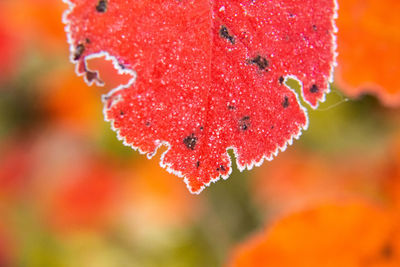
[(147, 123), (314, 89), (221, 168), (197, 164), (190, 141), (387, 251), (121, 113), (201, 128), (285, 102), (80, 48), (244, 123), (272, 127), (281, 79), (122, 66), (314, 27), (230, 107), (260, 61), (101, 6), (224, 33), (91, 76), (87, 40)]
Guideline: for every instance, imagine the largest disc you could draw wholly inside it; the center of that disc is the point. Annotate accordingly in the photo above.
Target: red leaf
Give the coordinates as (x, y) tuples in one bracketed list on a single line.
[(209, 75)]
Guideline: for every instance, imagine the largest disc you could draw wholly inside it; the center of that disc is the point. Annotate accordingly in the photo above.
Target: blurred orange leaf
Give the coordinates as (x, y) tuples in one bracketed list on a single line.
[(353, 234), (70, 102), (369, 48), (37, 21)]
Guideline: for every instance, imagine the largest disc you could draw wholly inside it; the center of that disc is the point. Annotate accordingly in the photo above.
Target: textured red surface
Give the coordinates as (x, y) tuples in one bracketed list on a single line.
[(209, 75)]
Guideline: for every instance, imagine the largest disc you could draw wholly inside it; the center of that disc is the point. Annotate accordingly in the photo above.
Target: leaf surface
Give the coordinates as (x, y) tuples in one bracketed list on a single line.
[(208, 75)]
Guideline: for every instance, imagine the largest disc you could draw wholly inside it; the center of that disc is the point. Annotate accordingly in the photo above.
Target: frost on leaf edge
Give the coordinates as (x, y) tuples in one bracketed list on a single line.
[(333, 64), (159, 143)]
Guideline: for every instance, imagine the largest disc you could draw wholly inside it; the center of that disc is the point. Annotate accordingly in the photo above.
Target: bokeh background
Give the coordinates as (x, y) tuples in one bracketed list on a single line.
[(72, 195)]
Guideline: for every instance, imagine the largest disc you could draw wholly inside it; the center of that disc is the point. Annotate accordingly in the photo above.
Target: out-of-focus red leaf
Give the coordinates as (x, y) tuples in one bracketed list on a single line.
[(209, 75), (86, 199), (75, 190), (16, 163), (347, 235), (369, 48)]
